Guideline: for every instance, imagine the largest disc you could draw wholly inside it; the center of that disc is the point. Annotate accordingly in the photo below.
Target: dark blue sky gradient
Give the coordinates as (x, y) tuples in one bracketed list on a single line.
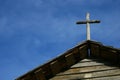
[(35, 31)]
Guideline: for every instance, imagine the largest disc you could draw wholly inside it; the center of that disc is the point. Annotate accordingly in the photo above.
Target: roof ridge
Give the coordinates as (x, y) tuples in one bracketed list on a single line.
[(72, 56)]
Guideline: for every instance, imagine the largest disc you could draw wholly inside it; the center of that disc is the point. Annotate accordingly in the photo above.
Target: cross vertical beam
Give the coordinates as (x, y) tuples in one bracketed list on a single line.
[(87, 22), (88, 26)]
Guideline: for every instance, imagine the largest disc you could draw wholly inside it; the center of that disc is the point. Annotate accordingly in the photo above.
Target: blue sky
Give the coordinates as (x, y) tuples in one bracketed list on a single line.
[(35, 31)]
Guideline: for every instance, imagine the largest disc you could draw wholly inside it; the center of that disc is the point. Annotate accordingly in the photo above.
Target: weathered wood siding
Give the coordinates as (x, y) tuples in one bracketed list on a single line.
[(85, 69), (90, 69)]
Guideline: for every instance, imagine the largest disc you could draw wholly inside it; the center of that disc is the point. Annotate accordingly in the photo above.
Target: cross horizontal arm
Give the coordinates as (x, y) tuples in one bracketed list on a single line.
[(85, 22)]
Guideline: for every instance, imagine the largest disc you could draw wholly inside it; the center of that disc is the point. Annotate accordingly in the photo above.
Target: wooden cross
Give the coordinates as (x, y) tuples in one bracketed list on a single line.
[(87, 22)]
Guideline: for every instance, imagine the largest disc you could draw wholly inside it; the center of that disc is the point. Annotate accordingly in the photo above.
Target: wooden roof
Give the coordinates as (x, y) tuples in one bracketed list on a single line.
[(87, 60)]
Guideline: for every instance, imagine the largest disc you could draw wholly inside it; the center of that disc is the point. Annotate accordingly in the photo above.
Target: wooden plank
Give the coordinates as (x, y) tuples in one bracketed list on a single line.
[(107, 73), (117, 77), (55, 67), (108, 54), (83, 52), (76, 53), (87, 64), (87, 69), (39, 75), (47, 71), (95, 51), (70, 59), (118, 58), (62, 63), (92, 76)]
